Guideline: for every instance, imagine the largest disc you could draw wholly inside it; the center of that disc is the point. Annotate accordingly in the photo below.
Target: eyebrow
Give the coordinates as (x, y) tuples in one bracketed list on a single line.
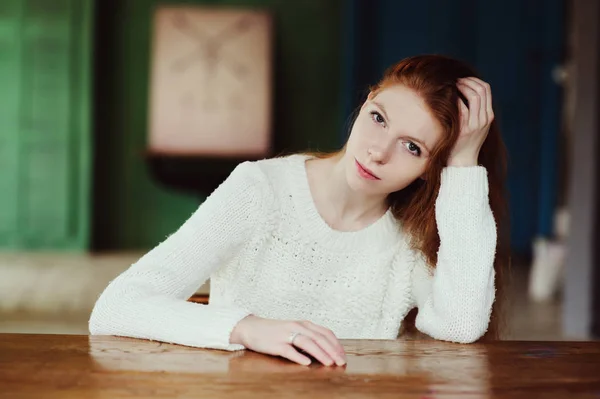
[(380, 106)]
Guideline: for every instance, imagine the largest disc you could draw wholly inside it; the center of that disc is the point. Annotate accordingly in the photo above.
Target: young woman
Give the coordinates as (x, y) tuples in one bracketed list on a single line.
[(304, 250)]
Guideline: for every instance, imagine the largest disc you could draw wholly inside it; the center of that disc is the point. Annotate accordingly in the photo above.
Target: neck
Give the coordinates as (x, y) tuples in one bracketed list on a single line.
[(342, 202)]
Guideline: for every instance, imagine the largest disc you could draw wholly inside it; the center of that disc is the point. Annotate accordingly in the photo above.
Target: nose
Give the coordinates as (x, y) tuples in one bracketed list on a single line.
[(380, 152)]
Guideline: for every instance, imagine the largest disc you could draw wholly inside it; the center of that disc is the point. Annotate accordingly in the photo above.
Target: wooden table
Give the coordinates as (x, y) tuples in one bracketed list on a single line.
[(71, 366)]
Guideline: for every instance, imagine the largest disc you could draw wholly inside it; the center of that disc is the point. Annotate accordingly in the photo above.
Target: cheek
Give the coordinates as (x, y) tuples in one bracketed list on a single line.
[(361, 132), (404, 171)]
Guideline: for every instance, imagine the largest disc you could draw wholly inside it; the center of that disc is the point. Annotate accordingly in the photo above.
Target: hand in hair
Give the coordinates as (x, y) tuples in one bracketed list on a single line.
[(475, 121)]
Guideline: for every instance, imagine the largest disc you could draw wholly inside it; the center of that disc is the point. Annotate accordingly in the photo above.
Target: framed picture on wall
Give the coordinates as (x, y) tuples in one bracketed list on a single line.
[(211, 82)]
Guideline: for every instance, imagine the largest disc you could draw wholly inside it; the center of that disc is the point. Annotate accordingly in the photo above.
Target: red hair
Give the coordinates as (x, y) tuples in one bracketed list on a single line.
[(434, 78)]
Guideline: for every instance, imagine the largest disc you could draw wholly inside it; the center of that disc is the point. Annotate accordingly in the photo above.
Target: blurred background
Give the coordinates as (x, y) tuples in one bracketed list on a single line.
[(118, 117)]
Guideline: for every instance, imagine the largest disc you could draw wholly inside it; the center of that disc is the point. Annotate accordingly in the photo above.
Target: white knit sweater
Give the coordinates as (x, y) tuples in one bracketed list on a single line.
[(267, 251)]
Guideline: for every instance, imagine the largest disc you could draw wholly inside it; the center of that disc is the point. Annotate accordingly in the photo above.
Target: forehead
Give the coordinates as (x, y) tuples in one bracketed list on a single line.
[(408, 114)]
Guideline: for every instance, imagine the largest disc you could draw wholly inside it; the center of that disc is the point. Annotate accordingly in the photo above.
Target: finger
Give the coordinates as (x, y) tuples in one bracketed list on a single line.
[(474, 102), (328, 341), (489, 111), (307, 344), (464, 114), (488, 105), (289, 352), (481, 110), (330, 337), (480, 88)]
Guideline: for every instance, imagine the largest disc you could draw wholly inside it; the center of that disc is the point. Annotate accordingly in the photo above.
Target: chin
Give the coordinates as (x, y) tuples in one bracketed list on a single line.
[(354, 181), (358, 184)]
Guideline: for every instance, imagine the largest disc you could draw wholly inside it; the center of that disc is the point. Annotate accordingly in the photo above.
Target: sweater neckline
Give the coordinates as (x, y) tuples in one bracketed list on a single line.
[(380, 235)]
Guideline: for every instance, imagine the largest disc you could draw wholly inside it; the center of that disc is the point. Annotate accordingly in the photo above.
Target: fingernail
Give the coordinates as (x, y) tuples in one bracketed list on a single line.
[(340, 362)]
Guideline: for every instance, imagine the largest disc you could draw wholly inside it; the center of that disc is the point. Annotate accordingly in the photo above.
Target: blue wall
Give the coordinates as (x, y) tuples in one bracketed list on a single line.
[(514, 45)]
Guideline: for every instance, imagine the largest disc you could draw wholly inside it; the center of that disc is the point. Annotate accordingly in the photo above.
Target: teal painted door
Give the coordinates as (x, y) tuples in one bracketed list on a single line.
[(10, 21), (45, 49)]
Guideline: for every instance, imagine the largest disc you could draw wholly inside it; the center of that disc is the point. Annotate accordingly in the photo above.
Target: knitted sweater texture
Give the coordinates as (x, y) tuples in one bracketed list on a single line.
[(268, 252)]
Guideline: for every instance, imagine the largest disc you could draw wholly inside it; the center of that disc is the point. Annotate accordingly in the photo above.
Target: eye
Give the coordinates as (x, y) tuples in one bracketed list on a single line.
[(376, 116), (412, 148)]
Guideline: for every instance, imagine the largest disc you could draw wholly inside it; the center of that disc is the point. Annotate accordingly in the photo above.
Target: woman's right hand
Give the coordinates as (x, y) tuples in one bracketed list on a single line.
[(272, 338)]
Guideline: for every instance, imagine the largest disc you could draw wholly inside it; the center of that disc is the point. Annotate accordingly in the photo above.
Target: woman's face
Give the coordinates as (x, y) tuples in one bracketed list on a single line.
[(390, 142)]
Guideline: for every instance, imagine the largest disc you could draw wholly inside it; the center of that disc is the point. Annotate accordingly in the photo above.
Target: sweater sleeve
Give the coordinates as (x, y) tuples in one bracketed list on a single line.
[(149, 300), (455, 300)]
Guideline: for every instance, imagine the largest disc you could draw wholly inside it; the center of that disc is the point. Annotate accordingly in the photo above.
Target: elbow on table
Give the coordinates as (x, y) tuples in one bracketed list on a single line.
[(99, 318), (463, 332), (109, 307), (469, 336)]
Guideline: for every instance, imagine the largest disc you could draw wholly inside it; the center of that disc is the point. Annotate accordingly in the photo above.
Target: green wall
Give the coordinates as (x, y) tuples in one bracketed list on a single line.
[(131, 210), (45, 52)]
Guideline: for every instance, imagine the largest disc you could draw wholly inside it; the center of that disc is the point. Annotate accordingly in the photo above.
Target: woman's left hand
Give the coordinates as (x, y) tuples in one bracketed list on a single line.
[(475, 121)]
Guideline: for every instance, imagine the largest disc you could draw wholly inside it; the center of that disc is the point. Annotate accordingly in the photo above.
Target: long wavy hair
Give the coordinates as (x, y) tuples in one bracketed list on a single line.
[(434, 78)]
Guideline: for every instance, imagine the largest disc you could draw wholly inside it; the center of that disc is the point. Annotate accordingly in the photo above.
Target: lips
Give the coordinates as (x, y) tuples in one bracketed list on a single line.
[(365, 172)]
